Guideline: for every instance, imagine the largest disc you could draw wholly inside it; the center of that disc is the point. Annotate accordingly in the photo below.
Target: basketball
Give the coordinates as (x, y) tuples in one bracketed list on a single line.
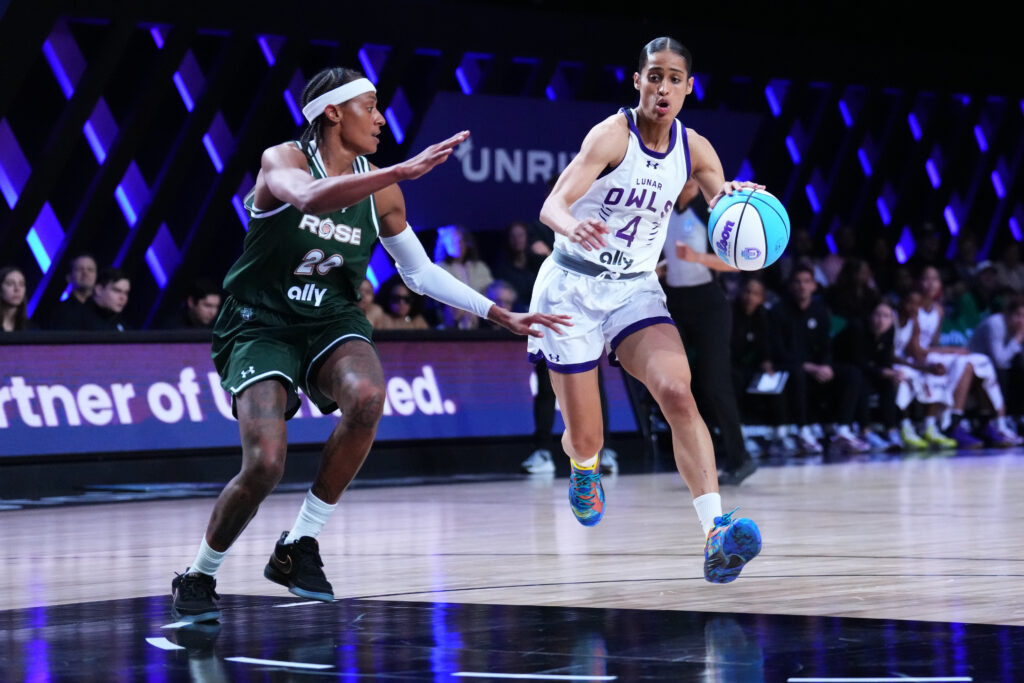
[(749, 229)]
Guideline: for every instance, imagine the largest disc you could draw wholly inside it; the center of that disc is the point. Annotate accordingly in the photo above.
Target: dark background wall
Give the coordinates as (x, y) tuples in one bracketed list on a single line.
[(132, 130)]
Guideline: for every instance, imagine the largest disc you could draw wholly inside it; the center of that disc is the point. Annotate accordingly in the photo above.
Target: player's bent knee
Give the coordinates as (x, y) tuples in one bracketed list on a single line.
[(582, 445), (363, 402)]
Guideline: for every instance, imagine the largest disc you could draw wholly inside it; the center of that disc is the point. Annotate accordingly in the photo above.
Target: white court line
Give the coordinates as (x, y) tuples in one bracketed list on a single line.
[(534, 677), (899, 679), (300, 604), (177, 624), (275, 662), (163, 644)]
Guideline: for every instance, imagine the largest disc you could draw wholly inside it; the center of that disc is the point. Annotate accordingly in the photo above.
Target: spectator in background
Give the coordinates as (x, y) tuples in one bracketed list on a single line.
[(1009, 269), (800, 252), (751, 355), (802, 346), (200, 308), (964, 266), (518, 263), (845, 240), (1000, 337), (928, 252), (374, 313), (72, 313), (13, 300), (982, 297), (853, 297), (961, 368), (404, 306), (883, 265), (109, 297), (926, 381), (457, 253), (503, 294)]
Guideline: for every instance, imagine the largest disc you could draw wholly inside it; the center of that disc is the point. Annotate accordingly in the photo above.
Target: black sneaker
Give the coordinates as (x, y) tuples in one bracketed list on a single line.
[(194, 596), (297, 566), (739, 475)]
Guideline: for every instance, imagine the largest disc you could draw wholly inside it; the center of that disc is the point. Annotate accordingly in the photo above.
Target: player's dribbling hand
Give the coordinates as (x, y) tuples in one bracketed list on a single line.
[(520, 323), (589, 233), (432, 156), (730, 186)]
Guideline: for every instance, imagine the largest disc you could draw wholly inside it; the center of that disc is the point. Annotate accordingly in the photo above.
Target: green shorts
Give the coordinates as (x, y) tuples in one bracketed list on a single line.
[(251, 344)]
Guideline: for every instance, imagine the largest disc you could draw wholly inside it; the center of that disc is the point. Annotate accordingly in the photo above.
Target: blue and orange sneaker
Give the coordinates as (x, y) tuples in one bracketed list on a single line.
[(731, 544), (586, 495)]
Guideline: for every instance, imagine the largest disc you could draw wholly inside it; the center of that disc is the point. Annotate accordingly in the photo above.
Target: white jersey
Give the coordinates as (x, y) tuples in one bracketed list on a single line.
[(901, 338), (928, 323), (634, 200)]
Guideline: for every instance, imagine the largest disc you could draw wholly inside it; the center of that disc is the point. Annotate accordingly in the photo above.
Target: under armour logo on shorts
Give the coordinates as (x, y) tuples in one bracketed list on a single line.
[(553, 357), (250, 371)]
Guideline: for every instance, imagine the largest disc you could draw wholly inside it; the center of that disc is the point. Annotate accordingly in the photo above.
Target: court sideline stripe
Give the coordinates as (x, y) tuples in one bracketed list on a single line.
[(897, 679), (534, 677), (275, 662)]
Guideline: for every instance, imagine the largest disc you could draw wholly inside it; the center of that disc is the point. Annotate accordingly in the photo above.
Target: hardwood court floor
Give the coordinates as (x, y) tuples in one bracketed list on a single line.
[(933, 539)]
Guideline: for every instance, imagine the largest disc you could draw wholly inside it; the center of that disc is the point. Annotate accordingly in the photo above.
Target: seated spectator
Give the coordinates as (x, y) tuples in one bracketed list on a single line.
[(374, 313), (961, 367), (751, 355), (518, 263), (853, 297), (104, 310), (983, 296), (503, 294), (457, 253), (922, 381), (1009, 269), (13, 300), (845, 240), (200, 308), (72, 313), (802, 347), (1000, 337), (404, 307)]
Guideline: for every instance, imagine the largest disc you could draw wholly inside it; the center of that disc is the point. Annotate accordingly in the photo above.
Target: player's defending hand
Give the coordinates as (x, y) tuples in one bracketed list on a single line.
[(430, 157), (730, 186), (520, 322), (589, 233)]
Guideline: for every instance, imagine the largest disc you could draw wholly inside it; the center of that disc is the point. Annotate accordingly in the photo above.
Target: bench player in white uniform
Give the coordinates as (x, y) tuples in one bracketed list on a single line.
[(609, 210)]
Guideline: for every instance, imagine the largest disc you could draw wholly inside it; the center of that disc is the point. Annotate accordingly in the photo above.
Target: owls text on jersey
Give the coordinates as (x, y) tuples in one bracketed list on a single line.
[(634, 200)]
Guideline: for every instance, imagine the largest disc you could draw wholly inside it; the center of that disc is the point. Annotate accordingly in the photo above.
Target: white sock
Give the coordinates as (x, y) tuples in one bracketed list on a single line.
[(588, 465), (708, 507), (845, 431), (780, 431), (1001, 424), (929, 422), (806, 433), (207, 560), (312, 517), (907, 424)]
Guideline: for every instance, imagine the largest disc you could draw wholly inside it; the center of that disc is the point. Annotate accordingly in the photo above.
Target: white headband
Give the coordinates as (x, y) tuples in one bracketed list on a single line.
[(340, 94)]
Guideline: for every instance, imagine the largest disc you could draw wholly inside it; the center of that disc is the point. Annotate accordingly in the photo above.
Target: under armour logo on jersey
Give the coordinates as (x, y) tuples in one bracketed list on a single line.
[(554, 357), (250, 371), (652, 164)]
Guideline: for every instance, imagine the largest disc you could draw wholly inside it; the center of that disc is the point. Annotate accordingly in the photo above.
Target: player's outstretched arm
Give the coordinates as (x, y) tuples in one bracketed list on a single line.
[(423, 276), (287, 177)]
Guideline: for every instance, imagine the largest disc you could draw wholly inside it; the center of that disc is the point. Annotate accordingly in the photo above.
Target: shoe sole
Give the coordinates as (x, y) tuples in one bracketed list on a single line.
[(745, 543), (277, 577), (195, 618)]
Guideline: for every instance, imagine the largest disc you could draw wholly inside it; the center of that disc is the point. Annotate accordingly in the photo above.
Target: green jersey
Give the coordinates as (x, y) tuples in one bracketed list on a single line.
[(304, 264)]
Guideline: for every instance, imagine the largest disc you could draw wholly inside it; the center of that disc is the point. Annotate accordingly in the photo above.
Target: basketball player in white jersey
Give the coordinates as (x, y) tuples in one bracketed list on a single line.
[(609, 211)]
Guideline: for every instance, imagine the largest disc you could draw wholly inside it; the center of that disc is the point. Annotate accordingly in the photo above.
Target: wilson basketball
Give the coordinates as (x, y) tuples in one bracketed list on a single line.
[(749, 229)]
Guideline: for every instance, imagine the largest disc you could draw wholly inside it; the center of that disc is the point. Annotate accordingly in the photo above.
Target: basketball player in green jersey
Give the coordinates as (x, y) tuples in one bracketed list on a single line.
[(291, 321)]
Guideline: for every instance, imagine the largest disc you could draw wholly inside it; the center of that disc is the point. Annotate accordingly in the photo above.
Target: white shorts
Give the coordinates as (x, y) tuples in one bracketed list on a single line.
[(604, 312)]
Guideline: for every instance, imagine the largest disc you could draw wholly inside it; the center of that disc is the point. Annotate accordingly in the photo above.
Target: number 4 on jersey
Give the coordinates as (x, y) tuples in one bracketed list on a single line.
[(628, 231)]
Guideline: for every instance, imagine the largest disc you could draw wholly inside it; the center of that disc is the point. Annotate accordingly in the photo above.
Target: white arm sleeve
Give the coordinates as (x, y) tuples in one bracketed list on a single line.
[(423, 276)]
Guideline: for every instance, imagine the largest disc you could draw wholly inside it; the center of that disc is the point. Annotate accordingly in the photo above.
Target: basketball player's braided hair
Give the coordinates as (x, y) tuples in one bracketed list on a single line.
[(322, 82)]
